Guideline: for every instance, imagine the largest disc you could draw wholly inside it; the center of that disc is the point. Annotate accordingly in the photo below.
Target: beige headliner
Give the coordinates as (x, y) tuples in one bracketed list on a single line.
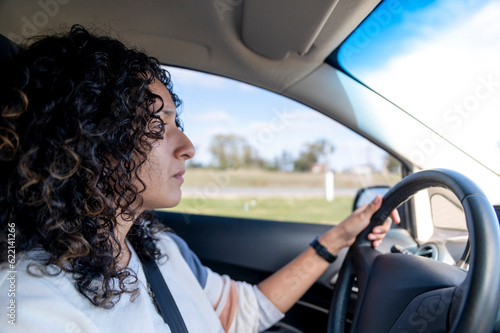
[(206, 34)]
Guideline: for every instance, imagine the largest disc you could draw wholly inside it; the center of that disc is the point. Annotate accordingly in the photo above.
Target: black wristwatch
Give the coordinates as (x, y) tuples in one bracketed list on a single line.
[(322, 251)]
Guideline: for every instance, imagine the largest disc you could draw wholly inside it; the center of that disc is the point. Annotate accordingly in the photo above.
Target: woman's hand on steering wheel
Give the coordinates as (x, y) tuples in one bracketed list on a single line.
[(345, 233)]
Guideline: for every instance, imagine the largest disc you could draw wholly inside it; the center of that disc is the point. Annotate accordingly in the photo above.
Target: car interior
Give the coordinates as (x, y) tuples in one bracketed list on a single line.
[(446, 282)]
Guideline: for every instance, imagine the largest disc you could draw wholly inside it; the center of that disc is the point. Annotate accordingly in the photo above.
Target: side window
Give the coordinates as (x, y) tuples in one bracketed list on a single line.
[(447, 212), (260, 155)]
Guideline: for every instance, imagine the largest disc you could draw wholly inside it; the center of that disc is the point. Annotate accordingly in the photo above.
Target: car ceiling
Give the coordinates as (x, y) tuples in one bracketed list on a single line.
[(279, 45), (269, 43)]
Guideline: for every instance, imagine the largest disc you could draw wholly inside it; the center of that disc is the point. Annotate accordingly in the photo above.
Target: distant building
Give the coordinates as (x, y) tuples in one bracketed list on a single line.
[(318, 168)]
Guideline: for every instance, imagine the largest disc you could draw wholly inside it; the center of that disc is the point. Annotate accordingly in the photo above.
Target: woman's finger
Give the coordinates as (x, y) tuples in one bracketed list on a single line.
[(383, 228), (376, 236), (395, 216)]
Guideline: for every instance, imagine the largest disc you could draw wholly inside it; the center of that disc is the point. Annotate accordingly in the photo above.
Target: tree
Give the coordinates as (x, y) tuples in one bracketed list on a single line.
[(312, 155), (233, 151), (392, 164)]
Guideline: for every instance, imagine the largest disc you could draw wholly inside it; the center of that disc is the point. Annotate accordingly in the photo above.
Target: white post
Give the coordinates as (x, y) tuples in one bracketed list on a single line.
[(329, 186)]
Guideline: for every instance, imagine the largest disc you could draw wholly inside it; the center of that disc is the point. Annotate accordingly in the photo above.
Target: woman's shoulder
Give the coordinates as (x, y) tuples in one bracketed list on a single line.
[(175, 248), (32, 294), (55, 304), (30, 277), (169, 241)]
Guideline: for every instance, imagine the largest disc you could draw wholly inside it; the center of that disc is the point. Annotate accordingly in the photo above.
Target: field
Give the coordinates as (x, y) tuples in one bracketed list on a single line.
[(282, 196), (316, 210), (200, 177)]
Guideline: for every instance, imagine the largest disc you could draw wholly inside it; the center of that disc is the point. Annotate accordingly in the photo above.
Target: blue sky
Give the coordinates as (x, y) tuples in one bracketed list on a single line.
[(439, 62), (399, 26)]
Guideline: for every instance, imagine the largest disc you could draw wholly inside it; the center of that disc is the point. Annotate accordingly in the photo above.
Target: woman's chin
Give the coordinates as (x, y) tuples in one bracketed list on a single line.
[(172, 202), (162, 200)]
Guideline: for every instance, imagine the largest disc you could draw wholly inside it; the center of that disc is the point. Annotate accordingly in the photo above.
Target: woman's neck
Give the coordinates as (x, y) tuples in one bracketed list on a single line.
[(121, 231)]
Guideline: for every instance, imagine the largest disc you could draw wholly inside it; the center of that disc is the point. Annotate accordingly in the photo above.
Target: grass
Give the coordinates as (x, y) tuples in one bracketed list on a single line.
[(311, 210), (199, 177), (292, 209)]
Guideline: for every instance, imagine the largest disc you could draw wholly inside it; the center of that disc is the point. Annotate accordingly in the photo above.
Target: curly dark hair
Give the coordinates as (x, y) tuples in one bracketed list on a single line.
[(75, 130)]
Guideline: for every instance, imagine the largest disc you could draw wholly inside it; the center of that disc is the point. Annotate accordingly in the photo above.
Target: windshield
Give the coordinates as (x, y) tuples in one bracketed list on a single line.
[(439, 62)]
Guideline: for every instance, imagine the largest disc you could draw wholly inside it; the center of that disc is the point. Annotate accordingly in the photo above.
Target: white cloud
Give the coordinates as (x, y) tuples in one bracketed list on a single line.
[(438, 75), (210, 116), (439, 70)]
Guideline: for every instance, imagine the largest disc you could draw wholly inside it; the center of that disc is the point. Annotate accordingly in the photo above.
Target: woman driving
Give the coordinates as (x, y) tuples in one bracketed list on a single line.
[(91, 143)]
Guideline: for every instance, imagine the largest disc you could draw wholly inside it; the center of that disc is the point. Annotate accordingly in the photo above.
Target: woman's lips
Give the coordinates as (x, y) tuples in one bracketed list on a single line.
[(179, 174)]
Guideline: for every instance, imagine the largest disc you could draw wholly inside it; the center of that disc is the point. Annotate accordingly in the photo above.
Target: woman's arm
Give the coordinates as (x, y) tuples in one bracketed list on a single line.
[(285, 287)]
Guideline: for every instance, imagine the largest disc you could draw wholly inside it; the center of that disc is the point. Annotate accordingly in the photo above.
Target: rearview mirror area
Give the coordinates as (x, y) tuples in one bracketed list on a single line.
[(367, 194)]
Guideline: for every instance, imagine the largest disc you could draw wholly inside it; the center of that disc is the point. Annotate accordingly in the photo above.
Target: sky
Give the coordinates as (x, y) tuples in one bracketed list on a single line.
[(215, 105), (439, 62), (399, 27)]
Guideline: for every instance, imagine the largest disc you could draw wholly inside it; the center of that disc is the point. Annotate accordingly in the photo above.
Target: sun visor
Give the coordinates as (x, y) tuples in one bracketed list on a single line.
[(275, 28)]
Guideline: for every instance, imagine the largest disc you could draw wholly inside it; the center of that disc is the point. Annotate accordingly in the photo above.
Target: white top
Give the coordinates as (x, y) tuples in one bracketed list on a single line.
[(207, 301)]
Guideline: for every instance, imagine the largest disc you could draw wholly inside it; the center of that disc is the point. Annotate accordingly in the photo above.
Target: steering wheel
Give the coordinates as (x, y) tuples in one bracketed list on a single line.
[(408, 293)]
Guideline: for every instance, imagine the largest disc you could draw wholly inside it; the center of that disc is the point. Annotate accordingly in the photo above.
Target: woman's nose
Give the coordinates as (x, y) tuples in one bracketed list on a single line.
[(186, 149)]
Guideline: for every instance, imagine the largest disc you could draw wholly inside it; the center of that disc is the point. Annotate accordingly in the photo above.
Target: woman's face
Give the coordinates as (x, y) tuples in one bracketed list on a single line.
[(163, 170)]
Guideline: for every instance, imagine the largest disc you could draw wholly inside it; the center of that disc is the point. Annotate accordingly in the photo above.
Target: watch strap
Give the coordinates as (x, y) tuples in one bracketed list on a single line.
[(322, 251)]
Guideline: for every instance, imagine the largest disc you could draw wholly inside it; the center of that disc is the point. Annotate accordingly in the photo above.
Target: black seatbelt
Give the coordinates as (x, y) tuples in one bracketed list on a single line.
[(162, 297)]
